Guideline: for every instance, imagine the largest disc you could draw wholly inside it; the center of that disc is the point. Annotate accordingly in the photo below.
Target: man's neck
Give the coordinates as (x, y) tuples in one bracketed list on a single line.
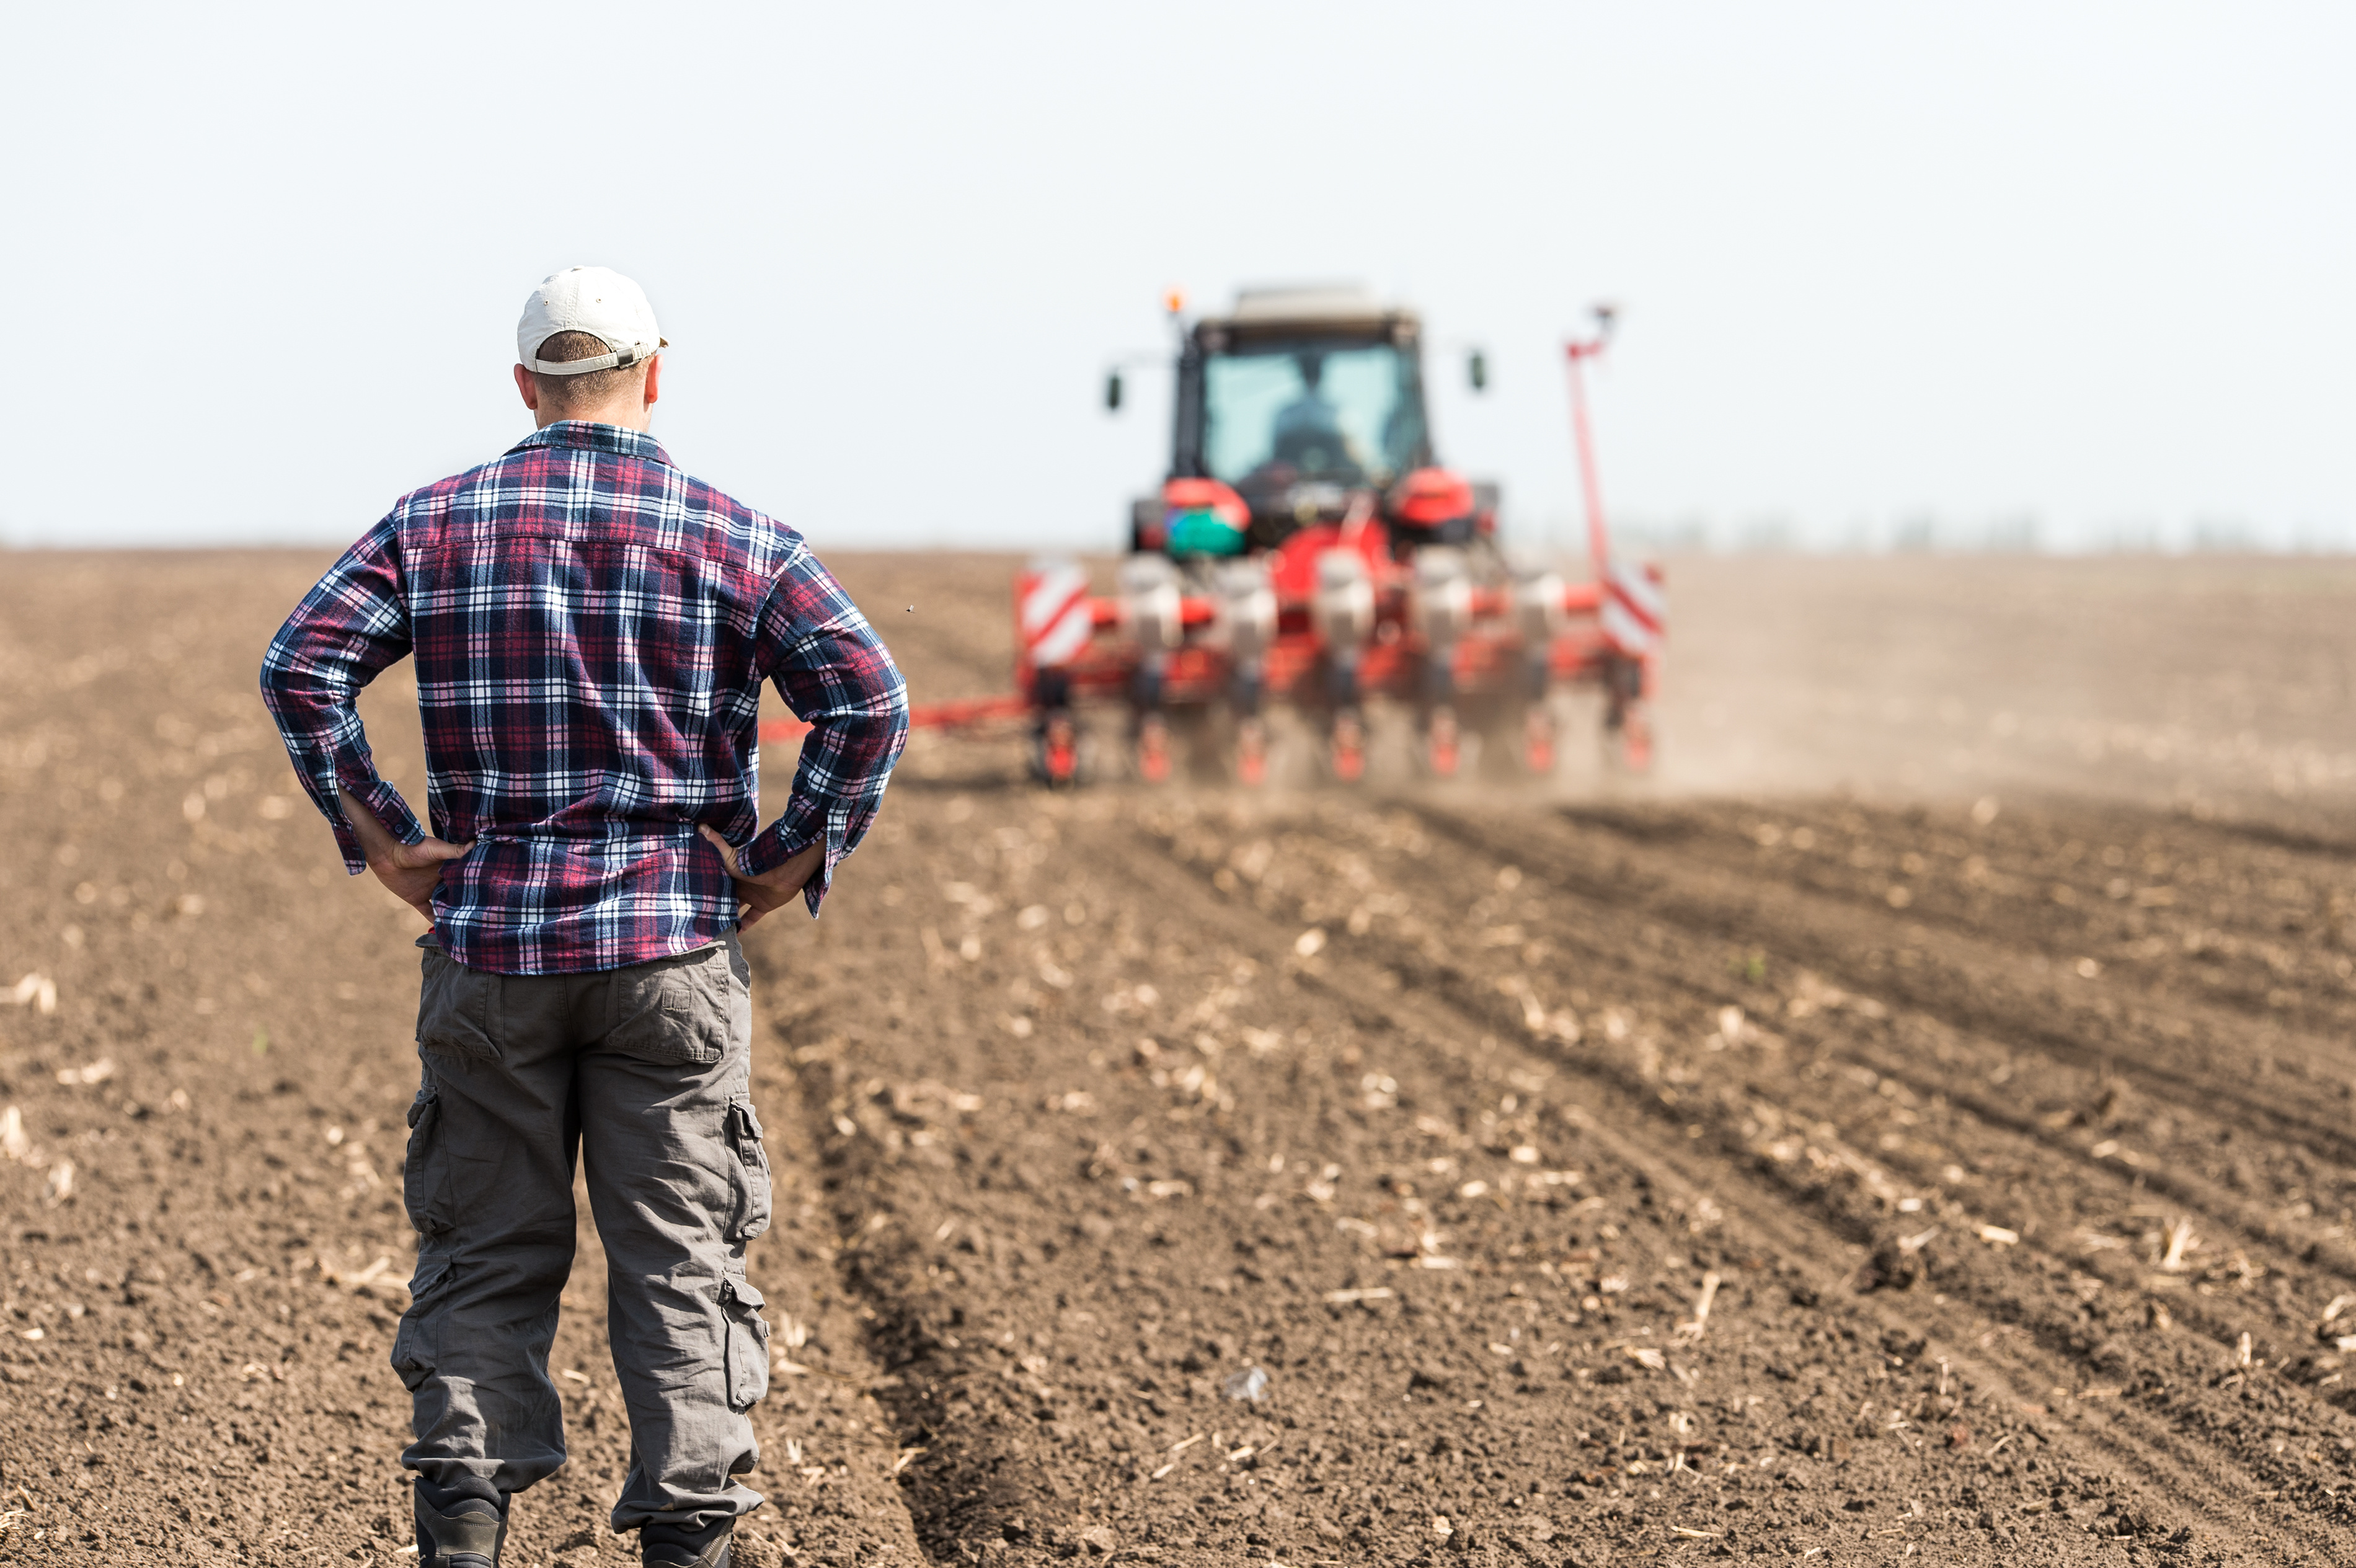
[(628, 415)]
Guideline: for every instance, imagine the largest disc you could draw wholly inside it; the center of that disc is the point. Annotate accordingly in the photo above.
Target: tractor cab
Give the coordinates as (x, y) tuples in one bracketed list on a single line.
[(1298, 407)]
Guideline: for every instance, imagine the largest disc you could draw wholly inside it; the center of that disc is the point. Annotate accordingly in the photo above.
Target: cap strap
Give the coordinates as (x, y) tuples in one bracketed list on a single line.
[(620, 360)]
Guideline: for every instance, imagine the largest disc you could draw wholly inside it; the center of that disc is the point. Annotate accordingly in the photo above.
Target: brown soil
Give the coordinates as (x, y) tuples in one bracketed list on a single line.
[(2019, 1142)]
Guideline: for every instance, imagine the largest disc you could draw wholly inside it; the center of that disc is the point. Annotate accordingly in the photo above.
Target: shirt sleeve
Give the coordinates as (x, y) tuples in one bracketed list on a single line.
[(351, 625), (835, 674)]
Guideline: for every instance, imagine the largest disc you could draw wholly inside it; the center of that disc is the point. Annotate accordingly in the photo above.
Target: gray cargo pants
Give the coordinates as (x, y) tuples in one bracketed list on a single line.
[(646, 1072)]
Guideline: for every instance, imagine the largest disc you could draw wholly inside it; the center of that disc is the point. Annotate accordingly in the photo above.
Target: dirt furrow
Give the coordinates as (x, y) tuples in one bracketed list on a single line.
[(2046, 1031), (2056, 1318), (1996, 1338), (2184, 1146), (2019, 989), (912, 1012)]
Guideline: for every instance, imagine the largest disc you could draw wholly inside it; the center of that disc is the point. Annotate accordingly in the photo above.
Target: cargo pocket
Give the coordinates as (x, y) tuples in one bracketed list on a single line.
[(411, 1357), (425, 1172), (672, 1012), (453, 1008), (752, 1171), (748, 1342)]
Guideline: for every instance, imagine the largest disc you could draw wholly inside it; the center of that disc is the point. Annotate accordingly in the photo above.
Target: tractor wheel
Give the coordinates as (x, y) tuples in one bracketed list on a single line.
[(1628, 738), (1056, 757), (1636, 739), (1349, 747), (1537, 741), (1153, 749), (1443, 742), (1251, 753)]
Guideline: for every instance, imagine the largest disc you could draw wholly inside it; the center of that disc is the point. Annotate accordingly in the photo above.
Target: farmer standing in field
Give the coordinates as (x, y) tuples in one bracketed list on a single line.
[(591, 628)]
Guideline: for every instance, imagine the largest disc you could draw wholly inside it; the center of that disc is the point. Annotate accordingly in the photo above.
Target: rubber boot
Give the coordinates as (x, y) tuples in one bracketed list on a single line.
[(468, 1536), (684, 1546)]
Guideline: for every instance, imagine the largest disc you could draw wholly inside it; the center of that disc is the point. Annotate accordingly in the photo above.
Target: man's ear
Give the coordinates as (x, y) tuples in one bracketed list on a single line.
[(654, 379), (530, 387)]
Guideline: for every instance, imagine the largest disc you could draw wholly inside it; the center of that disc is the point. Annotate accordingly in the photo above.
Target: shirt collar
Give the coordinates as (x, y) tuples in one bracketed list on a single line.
[(586, 436)]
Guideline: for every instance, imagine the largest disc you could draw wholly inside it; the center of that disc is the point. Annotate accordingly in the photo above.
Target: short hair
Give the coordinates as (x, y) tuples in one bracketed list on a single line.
[(590, 386)]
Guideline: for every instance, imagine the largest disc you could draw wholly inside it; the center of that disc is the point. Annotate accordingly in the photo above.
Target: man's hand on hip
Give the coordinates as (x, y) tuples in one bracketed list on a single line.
[(411, 870), (756, 895)]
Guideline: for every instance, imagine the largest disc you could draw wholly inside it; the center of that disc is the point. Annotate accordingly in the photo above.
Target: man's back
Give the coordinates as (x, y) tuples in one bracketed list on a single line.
[(591, 628)]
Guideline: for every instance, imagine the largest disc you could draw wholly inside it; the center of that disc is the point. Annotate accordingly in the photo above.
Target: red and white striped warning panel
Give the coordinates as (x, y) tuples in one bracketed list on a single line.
[(1636, 613), (1053, 611)]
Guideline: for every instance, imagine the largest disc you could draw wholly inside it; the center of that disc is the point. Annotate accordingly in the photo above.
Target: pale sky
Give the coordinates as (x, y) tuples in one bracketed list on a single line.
[(2090, 262)]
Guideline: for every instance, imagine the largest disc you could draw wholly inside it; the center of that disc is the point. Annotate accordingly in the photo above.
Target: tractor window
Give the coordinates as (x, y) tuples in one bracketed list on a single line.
[(1312, 414)]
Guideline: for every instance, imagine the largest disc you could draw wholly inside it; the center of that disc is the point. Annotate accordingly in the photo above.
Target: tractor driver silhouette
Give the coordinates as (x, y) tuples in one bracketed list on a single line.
[(1309, 429)]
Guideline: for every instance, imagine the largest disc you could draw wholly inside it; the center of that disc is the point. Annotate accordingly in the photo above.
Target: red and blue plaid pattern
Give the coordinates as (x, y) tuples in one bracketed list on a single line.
[(591, 628)]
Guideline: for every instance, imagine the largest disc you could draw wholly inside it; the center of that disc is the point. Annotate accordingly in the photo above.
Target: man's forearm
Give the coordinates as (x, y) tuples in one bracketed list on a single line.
[(376, 842)]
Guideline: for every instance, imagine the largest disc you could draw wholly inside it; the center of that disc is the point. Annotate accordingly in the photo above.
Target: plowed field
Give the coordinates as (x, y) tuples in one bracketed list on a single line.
[(1921, 1124)]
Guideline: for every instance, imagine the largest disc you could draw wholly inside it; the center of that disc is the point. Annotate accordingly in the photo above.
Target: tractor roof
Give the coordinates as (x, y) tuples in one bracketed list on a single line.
[(1316, 308)]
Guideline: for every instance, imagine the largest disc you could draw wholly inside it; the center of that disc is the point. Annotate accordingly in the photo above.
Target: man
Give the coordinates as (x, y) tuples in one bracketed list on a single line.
[(591, 628)]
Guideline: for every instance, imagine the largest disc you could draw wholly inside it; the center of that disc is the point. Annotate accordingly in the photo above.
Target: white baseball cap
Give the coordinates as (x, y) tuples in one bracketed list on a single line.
[(596, 300)]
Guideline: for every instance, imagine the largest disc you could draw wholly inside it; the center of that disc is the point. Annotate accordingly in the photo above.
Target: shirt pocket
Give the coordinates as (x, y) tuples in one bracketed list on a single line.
[(425, 1169), (747, 1357), (672, 1012), (752, 1171), (457, 1007)]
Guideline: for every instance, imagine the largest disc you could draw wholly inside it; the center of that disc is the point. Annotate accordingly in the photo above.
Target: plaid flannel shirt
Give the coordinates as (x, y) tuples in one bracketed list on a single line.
[(591, 628)]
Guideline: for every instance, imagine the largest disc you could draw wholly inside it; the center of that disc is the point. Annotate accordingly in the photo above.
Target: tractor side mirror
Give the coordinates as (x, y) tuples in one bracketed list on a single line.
[(1113, 392), (1476, 370)]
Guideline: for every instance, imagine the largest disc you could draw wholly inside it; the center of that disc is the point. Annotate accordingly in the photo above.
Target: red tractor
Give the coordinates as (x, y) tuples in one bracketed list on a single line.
[(1309, 550)]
